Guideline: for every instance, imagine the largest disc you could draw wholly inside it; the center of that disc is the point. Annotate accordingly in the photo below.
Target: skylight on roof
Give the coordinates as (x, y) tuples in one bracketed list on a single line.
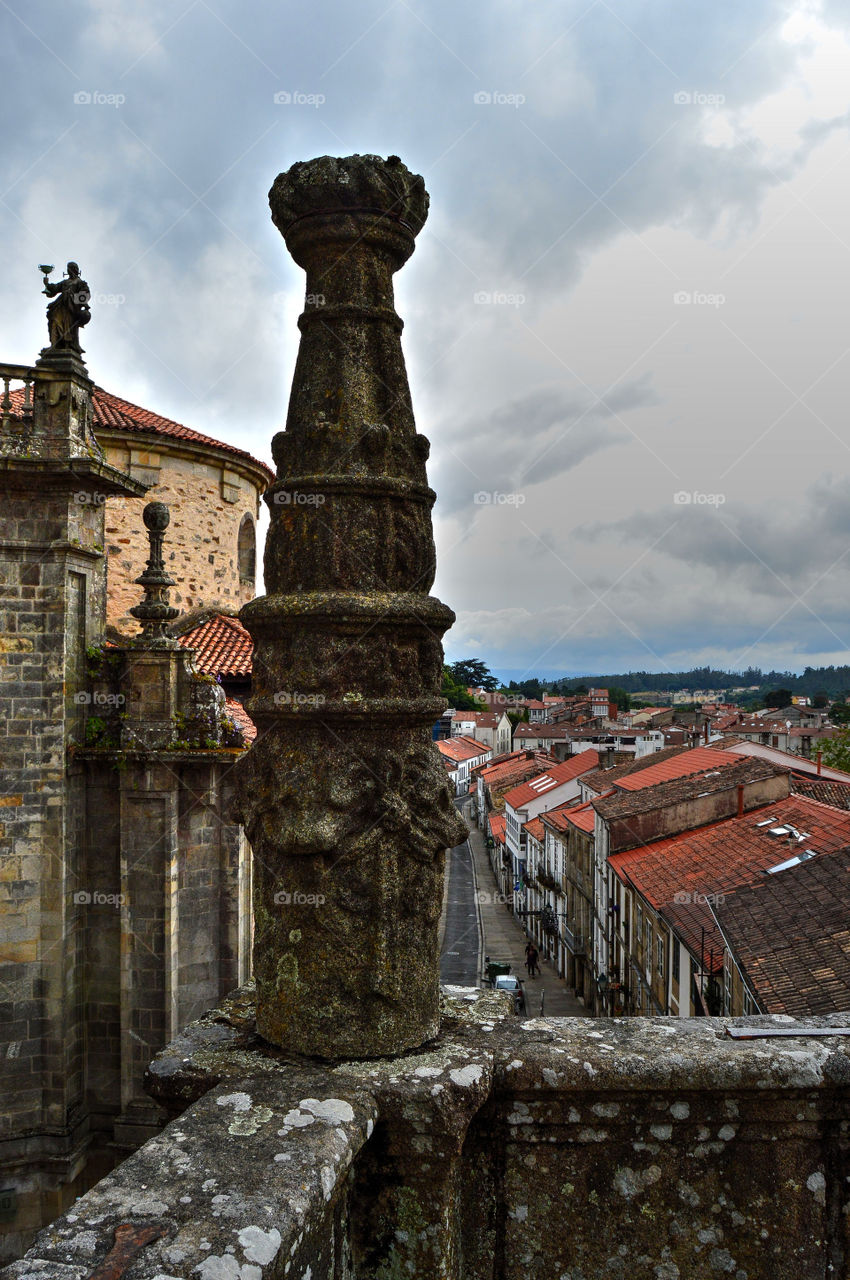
[(766, 822), (805, 856), (542, 784)]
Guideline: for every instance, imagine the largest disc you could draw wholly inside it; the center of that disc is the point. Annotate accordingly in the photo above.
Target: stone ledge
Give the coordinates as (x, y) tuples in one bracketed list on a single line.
[(498, 1150)]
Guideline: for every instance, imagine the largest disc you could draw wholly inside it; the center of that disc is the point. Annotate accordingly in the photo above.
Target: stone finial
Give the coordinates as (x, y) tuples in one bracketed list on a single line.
[(154, 612), (343, 796)]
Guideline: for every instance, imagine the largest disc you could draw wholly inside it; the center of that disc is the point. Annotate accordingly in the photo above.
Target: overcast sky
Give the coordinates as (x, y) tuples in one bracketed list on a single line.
[(632, 288)]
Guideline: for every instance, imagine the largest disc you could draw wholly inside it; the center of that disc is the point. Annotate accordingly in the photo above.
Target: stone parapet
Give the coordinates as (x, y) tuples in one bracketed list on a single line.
[(649, 1148)]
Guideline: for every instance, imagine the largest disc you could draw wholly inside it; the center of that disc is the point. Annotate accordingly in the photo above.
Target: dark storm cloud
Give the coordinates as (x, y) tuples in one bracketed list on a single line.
[(576, 144), (537, 437), (791, 541)]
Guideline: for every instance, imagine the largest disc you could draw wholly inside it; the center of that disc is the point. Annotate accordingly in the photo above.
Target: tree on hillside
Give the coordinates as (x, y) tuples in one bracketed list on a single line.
[(474, 674), (455, 693), (777, 698), (840, 713), (835, 752), (619, 697)]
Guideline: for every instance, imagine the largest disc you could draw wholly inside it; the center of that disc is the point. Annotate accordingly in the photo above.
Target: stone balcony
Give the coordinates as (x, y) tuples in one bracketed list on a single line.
[(506, 1149)]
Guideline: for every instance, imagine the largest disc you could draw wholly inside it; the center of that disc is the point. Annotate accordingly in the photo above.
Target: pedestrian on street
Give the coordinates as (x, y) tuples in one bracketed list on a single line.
[(531, 961)]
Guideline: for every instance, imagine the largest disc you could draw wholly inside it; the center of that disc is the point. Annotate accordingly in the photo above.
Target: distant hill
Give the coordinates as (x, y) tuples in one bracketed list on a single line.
[(834, 681)]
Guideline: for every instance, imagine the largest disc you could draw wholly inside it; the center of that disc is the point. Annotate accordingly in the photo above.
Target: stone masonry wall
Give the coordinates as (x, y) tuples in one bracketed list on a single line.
[(209, 495), (554, 1149), (53, 587)]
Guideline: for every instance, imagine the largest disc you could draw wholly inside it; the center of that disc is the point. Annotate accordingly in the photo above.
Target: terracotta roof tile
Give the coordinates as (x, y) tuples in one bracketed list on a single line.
[(460, 749), (676, 874), (497, 826), (602, 779), (790, 932), (740, 769), (698, 758), (835, 793), (240, 717), (222, 646), (553, 778), (112, 412)]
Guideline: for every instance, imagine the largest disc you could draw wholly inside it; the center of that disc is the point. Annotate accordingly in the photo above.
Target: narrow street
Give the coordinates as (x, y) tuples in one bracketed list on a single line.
[(478, 924)]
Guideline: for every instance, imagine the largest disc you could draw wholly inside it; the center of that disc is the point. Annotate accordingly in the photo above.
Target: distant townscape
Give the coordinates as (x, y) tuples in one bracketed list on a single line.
[(681, 860)]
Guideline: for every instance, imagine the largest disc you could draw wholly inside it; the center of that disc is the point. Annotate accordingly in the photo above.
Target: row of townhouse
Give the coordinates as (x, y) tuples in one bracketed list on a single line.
[(460, 756), (706, 881), (493, 728)]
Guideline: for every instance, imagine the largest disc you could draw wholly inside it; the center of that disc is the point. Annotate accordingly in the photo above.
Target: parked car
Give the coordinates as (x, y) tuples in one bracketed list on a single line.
[(508, 982)]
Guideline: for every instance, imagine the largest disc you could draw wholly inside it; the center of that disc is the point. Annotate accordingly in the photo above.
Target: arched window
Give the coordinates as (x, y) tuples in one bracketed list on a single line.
[(247, 552)]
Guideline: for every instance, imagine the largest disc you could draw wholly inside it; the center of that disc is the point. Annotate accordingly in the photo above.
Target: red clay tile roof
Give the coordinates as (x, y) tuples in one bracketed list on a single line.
[(625, 804), (602, 779), (835, 793), (553, 778), (222, 646), (497, 826), (790, 933), (679, 766), (510, 771), (460, 749), (121, 415), (535, 829), (582, 816), (240, 717), (676, 874), (481, 719)]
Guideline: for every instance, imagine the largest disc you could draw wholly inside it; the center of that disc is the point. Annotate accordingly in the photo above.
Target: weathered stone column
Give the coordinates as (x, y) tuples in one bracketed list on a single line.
[(343, 796)]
